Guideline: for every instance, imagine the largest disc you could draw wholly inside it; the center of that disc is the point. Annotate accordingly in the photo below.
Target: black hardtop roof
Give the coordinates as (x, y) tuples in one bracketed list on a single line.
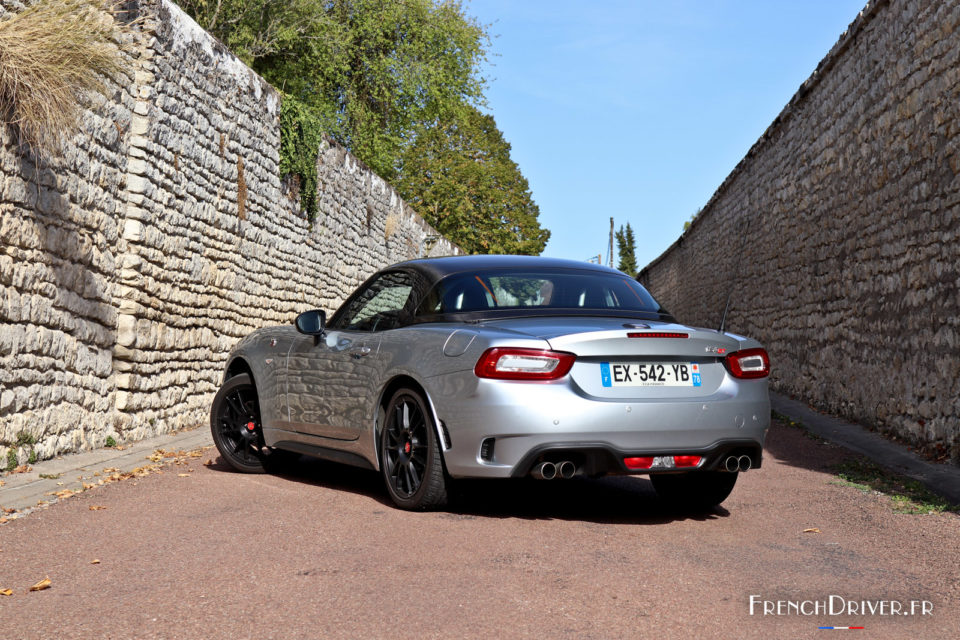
[(437, 268)]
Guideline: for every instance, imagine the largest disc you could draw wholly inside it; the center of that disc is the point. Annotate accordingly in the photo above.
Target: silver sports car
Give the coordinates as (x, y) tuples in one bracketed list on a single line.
[(499, 367)]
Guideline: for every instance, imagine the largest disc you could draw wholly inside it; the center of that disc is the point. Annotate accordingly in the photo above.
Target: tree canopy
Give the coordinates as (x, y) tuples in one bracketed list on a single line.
[(627, 250), (383, 76), (462, 181)]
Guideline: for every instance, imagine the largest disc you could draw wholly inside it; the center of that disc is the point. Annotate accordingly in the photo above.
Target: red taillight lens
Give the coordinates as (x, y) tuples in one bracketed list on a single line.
[(686, 461), (523, 364), (638, 463), (749, 363)]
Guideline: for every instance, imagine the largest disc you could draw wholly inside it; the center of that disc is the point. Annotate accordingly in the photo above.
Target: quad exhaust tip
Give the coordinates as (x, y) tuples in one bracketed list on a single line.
[(551, 470), (738, 463), (544, 471)]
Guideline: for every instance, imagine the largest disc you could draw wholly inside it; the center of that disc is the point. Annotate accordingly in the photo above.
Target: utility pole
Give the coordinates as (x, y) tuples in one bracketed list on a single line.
[(610, 249)]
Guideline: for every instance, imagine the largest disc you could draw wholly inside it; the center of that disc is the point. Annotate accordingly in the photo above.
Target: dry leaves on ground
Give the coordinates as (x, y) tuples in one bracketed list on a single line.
[(40, 586), (6, 592), (96, 507), (812, 530)]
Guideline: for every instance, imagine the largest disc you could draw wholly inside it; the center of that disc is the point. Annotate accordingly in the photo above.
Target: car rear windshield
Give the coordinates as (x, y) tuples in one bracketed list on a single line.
[(557, 289)]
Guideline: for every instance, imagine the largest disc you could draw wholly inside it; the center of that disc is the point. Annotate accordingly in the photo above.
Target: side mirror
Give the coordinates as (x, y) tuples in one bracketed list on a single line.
[(311, 323)]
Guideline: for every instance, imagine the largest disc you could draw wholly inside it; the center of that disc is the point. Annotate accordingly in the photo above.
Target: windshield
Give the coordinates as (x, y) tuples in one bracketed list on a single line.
[(547, 289)]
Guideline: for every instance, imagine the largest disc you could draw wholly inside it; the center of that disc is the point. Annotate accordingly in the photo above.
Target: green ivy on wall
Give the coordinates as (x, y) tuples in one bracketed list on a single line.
[(301, 132)]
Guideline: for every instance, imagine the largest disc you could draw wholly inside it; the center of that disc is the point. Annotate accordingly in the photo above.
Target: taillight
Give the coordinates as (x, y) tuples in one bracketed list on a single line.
[(635, 463), (505, 363), (686, 461), (749, 363)]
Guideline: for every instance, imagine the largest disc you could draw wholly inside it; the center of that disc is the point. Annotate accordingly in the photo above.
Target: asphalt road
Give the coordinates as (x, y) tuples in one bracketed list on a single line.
[(200, 552)]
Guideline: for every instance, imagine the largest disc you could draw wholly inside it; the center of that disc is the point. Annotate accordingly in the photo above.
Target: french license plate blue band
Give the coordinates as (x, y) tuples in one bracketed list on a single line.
[(605, 374)]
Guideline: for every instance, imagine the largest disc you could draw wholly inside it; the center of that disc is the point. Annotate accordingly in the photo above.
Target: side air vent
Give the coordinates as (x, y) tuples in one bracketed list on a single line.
[(486, 449)]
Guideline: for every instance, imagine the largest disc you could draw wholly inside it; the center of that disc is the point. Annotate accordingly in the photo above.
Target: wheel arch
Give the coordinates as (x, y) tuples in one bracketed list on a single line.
[(238, 366), (404, 381)]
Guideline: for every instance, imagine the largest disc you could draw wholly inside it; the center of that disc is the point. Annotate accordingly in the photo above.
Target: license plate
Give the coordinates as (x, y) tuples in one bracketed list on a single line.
[(650, 374)]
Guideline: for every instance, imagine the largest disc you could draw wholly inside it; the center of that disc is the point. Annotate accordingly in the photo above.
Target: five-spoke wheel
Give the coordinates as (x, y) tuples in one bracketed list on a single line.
[(410, 455)]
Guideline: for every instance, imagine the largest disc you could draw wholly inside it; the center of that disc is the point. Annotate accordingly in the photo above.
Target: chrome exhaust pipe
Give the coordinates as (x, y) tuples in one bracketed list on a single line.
[(566, 469), (544, 471), (732, 463), (744, 463)]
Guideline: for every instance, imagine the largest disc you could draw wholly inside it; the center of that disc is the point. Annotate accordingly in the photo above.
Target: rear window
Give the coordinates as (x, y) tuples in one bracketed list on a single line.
[(541, 289)]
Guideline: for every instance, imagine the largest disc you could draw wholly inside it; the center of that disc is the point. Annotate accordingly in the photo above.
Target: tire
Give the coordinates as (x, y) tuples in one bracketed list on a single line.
[(696, 490), (235, 425), (410, 457)]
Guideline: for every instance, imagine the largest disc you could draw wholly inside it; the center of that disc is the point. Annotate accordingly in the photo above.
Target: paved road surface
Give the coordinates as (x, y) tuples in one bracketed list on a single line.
[(200, 552)]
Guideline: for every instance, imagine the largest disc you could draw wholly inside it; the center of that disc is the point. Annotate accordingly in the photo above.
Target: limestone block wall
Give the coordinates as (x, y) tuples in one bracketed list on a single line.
[(845, 219), (131, 265)]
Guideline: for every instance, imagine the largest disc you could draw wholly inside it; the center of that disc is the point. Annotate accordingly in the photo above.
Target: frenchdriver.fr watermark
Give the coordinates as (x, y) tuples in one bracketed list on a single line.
[(835, 605)]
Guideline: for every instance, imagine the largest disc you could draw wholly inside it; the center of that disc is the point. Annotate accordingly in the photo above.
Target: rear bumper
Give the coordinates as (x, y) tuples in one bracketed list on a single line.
[(531, 422)]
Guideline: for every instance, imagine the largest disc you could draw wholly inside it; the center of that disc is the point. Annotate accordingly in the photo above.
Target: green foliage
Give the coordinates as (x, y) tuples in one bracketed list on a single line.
[(111, 442), (11, 459), (907, 496), (686, 225), (458, 175), (301, 132), (398, 83), (32, 459), (370, 70), (24, 438), (627, 250)]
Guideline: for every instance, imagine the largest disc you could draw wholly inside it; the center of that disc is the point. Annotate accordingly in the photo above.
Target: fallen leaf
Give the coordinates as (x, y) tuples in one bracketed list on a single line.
[(2, 483), (3, 520), (40, 586), (97, 507), (110, 470), (6, 592), (95, 561), (9, 510), (812, 530), (119, 447), (208, 463), (183, 475), (59, 484), (24, 468)]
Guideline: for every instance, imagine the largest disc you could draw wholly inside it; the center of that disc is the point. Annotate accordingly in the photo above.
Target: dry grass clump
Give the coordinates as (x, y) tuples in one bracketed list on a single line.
[(51, 54)]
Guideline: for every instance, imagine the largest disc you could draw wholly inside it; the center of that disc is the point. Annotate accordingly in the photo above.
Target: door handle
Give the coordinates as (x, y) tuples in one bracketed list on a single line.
[(359, 353)]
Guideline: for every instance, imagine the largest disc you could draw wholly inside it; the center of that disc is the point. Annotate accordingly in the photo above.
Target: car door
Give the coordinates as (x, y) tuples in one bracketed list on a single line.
[(332, 380)]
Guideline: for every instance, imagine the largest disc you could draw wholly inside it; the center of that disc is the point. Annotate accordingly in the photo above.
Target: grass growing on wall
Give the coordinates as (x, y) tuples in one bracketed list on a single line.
[(301, 133), (51, 54)]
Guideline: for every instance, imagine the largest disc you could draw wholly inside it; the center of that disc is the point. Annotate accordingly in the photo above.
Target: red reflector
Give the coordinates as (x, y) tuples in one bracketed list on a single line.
[(638, 463), (686, 461), (251, 426), (657, 334)]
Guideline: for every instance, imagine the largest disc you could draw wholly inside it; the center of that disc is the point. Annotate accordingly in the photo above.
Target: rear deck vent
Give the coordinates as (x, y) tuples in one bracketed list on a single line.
[(486, 450)]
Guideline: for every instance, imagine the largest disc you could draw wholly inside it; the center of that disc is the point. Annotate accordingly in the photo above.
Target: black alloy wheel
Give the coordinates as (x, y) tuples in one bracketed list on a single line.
[(235, 425), (409, 454)]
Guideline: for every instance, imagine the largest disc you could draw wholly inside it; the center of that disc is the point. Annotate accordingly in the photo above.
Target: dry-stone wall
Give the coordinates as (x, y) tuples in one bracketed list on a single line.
[(130, 265), (845, 219)]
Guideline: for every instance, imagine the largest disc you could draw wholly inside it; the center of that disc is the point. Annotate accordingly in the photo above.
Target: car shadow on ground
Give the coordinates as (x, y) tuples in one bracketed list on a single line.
[(606, 500)]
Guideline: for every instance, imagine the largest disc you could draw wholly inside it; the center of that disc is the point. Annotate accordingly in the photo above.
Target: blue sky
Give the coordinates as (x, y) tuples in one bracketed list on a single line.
[(639, 109)]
